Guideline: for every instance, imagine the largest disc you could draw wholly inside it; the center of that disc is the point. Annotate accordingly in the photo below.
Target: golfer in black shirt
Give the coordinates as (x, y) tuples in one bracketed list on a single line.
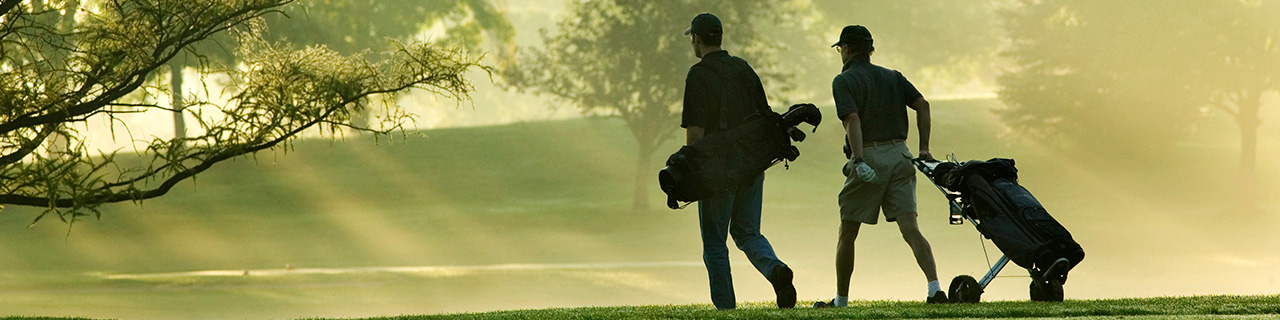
[(720, 91)]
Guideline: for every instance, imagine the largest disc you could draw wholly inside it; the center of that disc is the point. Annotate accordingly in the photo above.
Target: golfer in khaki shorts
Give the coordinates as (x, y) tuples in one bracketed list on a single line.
[(872, 102)]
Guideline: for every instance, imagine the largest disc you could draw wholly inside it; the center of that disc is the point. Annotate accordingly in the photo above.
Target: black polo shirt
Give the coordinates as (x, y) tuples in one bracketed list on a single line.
[(878, 95), (721, 80)]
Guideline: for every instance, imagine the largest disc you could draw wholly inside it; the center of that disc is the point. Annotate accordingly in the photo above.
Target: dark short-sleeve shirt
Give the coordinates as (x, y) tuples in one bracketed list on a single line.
[(721, 81), (878, 95)]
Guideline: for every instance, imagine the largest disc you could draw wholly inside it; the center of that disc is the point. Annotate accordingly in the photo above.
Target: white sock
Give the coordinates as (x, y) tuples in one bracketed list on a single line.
[(934, 287), (842, 301)]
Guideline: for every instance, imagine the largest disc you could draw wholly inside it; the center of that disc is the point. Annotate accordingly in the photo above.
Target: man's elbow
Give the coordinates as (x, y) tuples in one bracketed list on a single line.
[(851, 120)]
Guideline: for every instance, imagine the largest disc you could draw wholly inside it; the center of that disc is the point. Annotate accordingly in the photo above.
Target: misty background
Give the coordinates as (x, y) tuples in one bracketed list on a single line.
[(1149, 129)]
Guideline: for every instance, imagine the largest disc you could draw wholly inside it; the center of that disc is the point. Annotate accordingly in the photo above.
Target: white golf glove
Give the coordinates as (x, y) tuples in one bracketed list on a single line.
[(864, 171)]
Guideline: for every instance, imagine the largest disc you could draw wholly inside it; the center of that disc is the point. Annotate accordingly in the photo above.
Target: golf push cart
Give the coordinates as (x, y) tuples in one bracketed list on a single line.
[(986, 193)]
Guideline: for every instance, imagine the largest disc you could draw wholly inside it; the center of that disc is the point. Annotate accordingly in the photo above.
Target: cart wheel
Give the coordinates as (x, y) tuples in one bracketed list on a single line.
[(1047, 291), (965, 289)]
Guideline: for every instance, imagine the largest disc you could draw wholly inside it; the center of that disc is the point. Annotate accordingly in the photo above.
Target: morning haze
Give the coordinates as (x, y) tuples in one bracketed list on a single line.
[(1148, 129)]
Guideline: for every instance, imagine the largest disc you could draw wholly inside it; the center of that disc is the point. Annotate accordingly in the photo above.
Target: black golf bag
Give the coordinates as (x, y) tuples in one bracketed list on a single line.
[(732, 157), (1011, 217)]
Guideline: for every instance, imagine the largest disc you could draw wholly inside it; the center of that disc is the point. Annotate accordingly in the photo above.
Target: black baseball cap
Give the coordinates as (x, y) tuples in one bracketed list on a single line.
[(705, 24), (854, 34)]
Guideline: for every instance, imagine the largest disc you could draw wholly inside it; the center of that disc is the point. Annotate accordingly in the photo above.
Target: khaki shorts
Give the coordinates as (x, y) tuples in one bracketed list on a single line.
[(893, 191)]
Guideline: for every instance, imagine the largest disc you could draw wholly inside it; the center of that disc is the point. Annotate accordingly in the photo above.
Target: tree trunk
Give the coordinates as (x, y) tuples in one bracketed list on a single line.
[(175, 84), (1247, 118), (641, 195)]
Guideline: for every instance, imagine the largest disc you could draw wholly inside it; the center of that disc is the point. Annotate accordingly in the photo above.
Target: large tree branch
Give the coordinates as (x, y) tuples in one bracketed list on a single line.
[(106, 193), (107, 196)]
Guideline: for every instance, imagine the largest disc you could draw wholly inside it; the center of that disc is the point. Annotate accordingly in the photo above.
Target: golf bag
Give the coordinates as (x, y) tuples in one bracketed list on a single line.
[(1011, 217), (734, 156)]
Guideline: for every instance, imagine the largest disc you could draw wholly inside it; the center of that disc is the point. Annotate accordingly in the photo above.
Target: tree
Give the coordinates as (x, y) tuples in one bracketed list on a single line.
[(1096, 70), (349, 27), (1245, 65), (627, 59), (278, 93), (353, 26)]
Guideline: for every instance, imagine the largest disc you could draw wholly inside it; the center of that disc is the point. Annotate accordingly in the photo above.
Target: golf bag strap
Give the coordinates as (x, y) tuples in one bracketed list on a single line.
[(724, 98), (724, 102)]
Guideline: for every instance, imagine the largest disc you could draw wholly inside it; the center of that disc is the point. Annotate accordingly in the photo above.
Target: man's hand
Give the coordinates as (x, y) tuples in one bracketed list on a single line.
[(926, 155), (864, 171)]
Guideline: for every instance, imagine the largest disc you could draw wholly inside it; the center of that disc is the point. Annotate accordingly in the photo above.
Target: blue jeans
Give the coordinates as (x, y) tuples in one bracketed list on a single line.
[(734, 212)]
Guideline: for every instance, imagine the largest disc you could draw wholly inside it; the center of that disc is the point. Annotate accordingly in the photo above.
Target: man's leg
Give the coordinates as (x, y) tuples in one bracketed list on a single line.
[(919, 246), (745, 228), (844, 255), (924, 256), (713, 216), (900, 207), (859, 204)]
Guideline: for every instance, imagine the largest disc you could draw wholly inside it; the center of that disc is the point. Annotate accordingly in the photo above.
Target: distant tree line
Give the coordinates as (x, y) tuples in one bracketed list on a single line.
[(1137, 76)]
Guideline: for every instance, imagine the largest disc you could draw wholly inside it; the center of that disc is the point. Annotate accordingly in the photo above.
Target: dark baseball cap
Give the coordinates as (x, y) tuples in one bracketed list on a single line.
[(705, 24), (854, 34)]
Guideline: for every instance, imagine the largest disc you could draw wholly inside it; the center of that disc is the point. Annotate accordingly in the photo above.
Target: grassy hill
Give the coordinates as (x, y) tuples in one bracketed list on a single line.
[(537, 215)]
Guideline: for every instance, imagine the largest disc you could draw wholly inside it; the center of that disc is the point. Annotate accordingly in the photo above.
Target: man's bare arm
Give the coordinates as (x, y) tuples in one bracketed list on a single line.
[(693, 134), (923, 123), (853, 130)]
